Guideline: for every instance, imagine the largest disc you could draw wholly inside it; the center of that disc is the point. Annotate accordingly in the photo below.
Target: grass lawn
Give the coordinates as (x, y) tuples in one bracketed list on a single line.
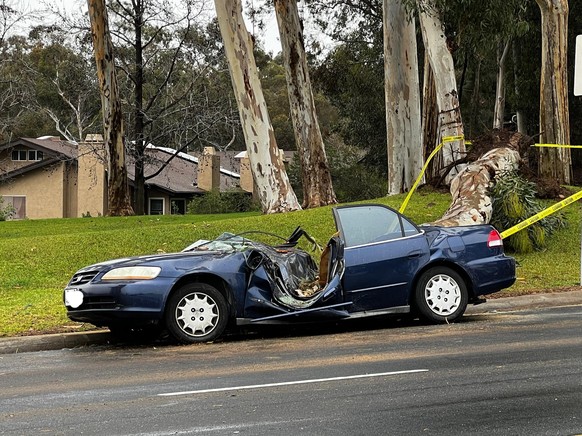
[(38, 257)]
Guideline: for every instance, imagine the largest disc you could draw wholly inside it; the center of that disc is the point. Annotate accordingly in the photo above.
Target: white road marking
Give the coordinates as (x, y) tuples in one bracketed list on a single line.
[(222, 429), (290, 383)]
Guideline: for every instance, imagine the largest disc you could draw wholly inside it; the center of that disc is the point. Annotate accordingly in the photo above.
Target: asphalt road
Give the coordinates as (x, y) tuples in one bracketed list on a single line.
[(514, 373)]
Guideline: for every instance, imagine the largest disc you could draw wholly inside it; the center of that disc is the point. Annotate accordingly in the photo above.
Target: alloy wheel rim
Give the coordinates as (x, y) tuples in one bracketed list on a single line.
[(197, 314), (442, 294)]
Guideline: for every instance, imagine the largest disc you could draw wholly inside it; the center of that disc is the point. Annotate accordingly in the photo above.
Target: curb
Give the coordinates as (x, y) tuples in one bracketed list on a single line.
[(57, 341), (525, 302), (23, 344)]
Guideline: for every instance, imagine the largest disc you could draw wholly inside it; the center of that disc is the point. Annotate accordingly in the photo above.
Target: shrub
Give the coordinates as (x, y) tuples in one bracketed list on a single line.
[(514, 200), (6, 212), (222, 202), (352, 180)]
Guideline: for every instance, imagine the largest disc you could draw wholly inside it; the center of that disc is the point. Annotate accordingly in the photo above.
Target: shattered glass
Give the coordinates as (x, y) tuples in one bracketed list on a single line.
[(292, 272)]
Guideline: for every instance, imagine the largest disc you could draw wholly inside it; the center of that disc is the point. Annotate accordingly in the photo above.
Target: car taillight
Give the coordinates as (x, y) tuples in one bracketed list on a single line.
[(494, 239)]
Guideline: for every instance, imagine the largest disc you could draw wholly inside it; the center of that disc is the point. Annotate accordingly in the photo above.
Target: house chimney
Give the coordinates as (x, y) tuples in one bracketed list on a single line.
[(209, 170), (91, 177), (246, 176)]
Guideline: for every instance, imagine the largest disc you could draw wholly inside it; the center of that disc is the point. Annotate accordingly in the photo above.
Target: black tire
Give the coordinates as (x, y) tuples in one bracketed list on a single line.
[(441, 295), (208, 312)]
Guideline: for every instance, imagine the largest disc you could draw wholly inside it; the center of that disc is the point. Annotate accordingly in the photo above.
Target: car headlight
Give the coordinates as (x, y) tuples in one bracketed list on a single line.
[(133, 273)]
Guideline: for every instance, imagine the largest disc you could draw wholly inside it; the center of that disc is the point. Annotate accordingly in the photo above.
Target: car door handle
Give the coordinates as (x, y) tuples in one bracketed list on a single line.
[(415, 253)]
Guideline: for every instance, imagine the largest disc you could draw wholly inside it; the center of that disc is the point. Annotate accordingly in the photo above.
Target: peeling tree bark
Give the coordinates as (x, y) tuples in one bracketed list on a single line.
[(273, 187), (430, 126), (554, 116), (471, 203), (118, 188), (315, 174), (402, 98), (441, 62)]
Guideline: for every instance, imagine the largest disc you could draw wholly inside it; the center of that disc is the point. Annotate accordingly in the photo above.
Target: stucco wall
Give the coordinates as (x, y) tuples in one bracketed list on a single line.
[(44, 190), (71, 190), (92, 183)]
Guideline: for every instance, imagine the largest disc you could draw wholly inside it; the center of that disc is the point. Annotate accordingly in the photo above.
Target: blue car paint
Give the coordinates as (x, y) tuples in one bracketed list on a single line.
[(379, 275), (376, 276)]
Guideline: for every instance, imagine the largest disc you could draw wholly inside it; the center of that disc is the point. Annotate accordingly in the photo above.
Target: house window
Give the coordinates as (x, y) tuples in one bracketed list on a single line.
[(177, 206), (19, 205), (156, 206), (34, 155), (22, 155), (19, 155)]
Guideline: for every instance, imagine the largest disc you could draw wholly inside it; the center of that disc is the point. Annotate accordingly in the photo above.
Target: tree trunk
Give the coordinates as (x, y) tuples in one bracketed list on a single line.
[(441, 62), (118, 190), (429, 120), (554, 123), (471, 203), (475, 99), (315, 174), (499, 111), (402, 98), (139, 146), (516, 63), (273, 188)]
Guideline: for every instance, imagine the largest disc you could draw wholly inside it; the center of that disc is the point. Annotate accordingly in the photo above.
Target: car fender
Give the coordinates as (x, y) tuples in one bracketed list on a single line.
[(231, 286), (458, 268)]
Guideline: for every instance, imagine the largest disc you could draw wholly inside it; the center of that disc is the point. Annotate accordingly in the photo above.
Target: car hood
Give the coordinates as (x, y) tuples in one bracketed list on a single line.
[(156, 259)]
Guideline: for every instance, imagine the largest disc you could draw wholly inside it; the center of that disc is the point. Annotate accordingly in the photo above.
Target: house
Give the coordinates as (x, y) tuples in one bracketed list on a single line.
[(48, 177)]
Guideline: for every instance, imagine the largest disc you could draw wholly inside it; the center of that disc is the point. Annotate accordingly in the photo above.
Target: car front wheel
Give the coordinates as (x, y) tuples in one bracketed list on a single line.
[(196, 313), (441, 295)]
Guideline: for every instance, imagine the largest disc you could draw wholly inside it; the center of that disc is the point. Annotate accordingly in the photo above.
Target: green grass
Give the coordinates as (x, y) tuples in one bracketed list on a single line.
[(37, 258)]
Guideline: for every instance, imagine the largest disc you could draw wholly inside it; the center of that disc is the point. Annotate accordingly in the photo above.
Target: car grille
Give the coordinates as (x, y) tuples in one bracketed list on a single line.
[(82, 278), (105, 302)]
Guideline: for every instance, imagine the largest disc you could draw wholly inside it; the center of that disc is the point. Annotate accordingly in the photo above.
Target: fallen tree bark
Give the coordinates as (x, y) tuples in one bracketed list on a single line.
[(471, 203)]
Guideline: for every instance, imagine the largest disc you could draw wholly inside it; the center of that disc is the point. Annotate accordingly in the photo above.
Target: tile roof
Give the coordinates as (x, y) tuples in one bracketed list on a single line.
[(179, 176)]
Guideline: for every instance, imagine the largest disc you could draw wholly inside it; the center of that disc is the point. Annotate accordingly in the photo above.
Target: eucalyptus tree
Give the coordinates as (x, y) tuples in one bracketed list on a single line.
[(165, 65), (401, 83), (315, 172), (118, 190), (450, 123), (272, 183), (554, 115), (505, 21), (139, 29)]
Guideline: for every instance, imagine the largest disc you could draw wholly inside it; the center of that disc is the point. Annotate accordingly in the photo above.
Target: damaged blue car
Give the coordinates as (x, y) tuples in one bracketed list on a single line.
[(378, 263)]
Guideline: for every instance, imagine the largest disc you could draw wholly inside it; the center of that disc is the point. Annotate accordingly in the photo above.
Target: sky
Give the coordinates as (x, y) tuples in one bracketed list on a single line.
[(269, 36)]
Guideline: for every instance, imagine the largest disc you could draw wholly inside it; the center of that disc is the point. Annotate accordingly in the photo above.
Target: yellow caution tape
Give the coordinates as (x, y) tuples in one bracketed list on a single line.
[(541, 215), (522, 225), (557, 145), (452, 138), (419, 178)]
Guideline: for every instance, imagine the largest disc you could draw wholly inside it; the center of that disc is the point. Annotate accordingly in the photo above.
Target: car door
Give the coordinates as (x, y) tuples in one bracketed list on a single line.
[(383, 251)]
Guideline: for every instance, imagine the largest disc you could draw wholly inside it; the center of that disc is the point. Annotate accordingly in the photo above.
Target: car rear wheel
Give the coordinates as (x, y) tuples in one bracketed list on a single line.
[(441, 295), (196, 313)]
